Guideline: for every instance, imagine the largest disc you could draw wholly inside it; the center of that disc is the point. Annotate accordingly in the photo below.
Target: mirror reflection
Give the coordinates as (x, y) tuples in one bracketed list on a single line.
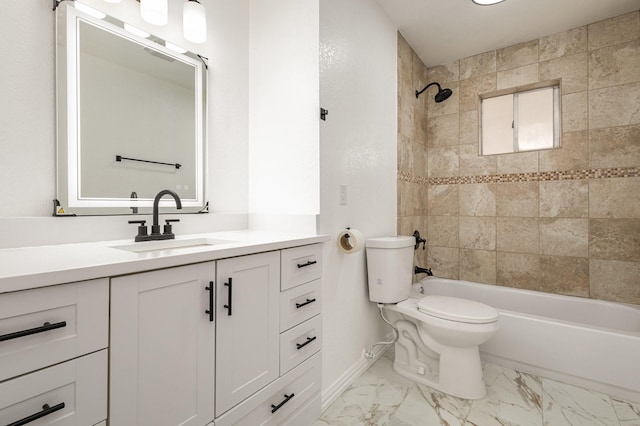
[(130, 119)]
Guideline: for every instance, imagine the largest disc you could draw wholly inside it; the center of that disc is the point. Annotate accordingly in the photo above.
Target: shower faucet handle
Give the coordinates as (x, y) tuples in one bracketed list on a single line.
[(416, 235)]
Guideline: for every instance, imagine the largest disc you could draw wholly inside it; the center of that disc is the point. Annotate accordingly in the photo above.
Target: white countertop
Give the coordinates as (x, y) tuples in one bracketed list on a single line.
[(31, 267)]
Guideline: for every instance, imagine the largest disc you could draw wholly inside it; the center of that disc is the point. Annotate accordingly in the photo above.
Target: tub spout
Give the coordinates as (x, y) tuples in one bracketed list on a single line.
[(419, 270)]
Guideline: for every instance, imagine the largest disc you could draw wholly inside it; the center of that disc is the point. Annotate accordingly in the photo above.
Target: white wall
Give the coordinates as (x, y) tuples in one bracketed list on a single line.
[(358, 80), (27, 122), (283, 118)]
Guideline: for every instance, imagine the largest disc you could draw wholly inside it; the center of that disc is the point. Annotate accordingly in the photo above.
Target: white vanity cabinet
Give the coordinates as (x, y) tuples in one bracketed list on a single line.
[(162, 347), (53, 356)]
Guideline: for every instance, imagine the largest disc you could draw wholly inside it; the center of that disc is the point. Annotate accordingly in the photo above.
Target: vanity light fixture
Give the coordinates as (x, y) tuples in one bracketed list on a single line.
[(487, 2), (155, 12), (194, 21), (174, 47), (113, 1)]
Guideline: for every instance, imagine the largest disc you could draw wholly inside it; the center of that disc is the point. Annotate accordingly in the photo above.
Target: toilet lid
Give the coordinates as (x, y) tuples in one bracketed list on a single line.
[(456, 309)]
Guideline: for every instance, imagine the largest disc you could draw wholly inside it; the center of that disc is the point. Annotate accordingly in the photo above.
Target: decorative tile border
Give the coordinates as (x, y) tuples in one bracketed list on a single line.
[(618, 172)]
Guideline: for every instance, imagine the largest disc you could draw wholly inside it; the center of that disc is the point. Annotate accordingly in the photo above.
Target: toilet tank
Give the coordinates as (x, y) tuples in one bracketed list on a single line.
[(390, 268)]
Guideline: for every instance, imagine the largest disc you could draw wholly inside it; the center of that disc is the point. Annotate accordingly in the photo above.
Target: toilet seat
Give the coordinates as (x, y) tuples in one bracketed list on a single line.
[(456, 309)]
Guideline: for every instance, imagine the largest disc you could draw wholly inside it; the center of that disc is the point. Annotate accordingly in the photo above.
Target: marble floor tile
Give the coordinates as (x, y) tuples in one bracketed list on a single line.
[(570, 405), (628, 412), (382, 397)]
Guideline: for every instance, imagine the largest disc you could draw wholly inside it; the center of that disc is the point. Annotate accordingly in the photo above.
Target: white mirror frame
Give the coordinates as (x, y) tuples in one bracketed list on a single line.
[(69, 147)]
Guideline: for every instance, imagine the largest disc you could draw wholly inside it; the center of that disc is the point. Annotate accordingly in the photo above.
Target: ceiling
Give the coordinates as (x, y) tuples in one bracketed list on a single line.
[(441, 31)]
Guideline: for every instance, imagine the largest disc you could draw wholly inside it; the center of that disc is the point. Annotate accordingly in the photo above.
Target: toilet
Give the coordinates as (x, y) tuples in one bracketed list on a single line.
[(438, 335)]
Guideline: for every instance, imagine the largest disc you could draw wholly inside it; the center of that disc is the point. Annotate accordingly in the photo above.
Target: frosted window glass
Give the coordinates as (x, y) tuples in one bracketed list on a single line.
[(497, 125), (535, 120)]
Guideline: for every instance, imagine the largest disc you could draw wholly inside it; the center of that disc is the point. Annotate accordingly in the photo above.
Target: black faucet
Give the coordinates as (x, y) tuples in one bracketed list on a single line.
[(419, 270), (155, 228), (134, 196)]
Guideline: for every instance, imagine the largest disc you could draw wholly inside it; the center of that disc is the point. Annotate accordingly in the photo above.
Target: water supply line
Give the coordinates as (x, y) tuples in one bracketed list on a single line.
[(369, 353)]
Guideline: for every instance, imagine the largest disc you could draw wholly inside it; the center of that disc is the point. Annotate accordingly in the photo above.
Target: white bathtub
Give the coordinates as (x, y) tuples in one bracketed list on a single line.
[(585, 342)]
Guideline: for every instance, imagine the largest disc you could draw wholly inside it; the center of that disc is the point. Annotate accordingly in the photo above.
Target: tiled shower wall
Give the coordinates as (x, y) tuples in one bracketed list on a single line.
[(563, 221)]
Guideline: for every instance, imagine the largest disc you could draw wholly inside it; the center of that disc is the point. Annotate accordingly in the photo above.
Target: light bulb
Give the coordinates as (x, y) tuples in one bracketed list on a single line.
[(194, 21), (487, 2), (155, 12)]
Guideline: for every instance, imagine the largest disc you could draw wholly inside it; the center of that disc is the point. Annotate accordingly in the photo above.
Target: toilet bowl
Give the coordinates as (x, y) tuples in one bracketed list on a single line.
[(438, 336)]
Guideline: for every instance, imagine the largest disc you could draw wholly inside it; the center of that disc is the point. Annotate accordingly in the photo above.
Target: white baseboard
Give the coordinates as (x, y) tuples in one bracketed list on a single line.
[(332, 392)]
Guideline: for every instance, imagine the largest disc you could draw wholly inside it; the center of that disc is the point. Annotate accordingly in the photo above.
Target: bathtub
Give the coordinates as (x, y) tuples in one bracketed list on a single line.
[(584, 342)]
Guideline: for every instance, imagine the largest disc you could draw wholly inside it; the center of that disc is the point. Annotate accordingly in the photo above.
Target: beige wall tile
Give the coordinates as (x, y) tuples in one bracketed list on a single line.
[(443, 200), (443, 261), (573, 153), (474, 66), (575, 114), (517, 199), (405, 83), (411, 198), (478, 232), (446, 73), (518, 234), (420, 124), (563, 44), (515, 77), (564, 275), (478, 199), (614, 30), (419, 154), (614, 239), (614, 198), (614, 147), (443, 162), (518, 270), (474, 164), (443, 131), (517, 55), (614, 106), (408, 224), (478, 266), (564, 237), (564, 198), (615, 280), (443, 231), (614, 65), (473, 87), (469, 128), (571, 69), (405, 154), (406, 120), (519, 162)]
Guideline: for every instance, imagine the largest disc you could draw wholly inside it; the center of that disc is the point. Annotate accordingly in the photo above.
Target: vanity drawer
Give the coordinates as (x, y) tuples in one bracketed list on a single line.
[(48, 325), (300, 265), (74, 391), (299, 343), (299, 304), (275, 403)]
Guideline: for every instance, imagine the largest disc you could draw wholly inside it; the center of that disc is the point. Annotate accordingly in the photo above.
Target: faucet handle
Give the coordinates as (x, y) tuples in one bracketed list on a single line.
[(167, 226), (142, 229)]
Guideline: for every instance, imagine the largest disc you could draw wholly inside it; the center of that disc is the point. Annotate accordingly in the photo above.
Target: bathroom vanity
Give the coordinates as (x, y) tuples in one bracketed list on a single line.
[(217, 329)]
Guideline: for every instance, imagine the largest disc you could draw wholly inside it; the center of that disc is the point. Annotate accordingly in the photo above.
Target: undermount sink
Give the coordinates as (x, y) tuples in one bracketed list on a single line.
[(170, 244)]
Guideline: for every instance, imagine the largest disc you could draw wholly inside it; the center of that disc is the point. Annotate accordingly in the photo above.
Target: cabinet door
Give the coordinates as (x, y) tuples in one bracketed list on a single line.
[(162, 348), (247, 326)]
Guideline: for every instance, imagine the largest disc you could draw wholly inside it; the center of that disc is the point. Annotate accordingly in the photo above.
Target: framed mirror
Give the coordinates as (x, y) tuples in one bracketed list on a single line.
[(131, 118)]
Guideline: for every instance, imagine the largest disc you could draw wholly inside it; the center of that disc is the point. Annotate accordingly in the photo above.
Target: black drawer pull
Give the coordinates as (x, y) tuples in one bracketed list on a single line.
[(46, 410), (309, 340), (300, 305), (309, 263), (45, 327), (229, 305), (210, 310), (275, 408)]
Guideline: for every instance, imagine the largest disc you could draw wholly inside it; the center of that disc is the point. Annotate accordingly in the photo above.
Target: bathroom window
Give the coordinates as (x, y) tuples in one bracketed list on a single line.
[(522, 121)]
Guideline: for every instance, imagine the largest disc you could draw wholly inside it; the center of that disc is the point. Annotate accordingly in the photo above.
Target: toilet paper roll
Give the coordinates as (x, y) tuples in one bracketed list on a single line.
[(350, 241)]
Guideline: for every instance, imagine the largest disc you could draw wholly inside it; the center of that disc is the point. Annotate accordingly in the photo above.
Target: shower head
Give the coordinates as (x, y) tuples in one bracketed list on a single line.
[(442, 95)]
